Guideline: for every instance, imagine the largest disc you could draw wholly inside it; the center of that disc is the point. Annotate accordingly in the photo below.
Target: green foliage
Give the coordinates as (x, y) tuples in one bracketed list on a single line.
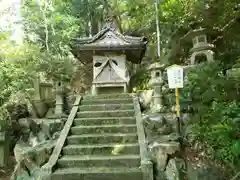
[(140, 79), (16, 73), (220, 130), (5, 119), (51, 26), (216, 108)]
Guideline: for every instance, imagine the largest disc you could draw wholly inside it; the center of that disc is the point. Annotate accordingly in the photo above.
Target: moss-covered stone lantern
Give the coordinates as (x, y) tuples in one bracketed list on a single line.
[(156, 82), (201, 46)]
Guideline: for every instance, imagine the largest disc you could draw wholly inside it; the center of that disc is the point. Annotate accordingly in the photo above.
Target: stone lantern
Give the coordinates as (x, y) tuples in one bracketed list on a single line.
[(59, 99), (156, 82), (201, 46)]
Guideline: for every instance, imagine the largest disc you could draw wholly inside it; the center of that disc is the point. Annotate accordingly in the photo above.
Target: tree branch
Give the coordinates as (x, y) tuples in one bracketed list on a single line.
[(235, 177)]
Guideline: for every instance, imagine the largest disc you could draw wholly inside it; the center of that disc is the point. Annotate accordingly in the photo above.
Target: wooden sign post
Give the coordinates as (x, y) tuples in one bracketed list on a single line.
[(175, 81)]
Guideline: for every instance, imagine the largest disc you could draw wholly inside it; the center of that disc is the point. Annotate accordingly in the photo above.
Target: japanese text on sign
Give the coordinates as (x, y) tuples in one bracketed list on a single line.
[(175, 77)]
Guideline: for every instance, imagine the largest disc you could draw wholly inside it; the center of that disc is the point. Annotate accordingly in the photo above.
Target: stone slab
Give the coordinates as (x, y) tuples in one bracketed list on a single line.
[(109, 96), (104, 121), (101, 173), (106, 101), (126, 128), (113, 113), (104, 107), (99, 161), (101, 149), (102, 138)]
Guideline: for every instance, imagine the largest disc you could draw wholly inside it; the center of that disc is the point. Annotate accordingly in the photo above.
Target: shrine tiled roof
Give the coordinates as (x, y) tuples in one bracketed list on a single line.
[(109, 38)]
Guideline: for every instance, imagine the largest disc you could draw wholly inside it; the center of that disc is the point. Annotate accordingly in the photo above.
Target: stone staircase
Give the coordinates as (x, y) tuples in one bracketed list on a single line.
[(103, 142)]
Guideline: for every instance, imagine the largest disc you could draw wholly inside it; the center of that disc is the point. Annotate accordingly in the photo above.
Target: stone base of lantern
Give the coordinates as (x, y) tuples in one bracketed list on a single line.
[(59, 109), (59, 101), (157, 101), (156, 108), (40, 108)]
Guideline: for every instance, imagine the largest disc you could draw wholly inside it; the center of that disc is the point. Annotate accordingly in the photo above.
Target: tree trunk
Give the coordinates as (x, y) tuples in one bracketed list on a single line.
[(94, 23)]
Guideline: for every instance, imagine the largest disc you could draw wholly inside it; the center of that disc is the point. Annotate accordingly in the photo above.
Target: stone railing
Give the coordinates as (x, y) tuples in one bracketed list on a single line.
[(146, 164), (48, 167)]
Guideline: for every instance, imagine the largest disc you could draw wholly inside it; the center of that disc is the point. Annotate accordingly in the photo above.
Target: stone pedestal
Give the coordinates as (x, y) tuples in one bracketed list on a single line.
[(125, 90), (59, 99), (157, 103), (4, 149), (36, 85), (40, 108), (94, 90)]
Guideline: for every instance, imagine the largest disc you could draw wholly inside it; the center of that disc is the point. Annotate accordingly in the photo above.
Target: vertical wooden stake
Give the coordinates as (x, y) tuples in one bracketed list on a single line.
[(177, 102), (178, 111), (179, 127)]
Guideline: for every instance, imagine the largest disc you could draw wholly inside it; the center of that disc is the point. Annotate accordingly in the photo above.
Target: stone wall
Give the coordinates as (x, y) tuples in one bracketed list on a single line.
[(82, 80), (35, 146), (168, 149)]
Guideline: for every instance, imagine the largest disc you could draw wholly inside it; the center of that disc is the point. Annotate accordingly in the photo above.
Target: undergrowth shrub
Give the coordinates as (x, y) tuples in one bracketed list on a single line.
[(140, 79), (214, 99)]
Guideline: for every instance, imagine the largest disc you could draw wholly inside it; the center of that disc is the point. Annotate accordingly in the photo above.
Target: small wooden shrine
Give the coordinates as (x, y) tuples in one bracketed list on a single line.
[(110, 51)]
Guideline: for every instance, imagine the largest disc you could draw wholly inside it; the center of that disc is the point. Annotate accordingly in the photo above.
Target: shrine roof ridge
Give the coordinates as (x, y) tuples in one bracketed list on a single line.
[(128, 40)]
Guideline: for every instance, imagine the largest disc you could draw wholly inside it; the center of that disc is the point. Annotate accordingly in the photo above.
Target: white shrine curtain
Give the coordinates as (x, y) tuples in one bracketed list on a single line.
[(120, 72)]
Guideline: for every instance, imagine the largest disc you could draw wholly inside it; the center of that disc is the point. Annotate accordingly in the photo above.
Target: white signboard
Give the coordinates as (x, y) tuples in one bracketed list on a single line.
[(175, 76)]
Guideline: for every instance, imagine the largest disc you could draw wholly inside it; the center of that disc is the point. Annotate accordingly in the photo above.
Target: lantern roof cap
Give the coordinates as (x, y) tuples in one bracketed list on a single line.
[(197, 32), (156, 65)]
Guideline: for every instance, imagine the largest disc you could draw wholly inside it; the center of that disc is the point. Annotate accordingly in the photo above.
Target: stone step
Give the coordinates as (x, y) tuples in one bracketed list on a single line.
[(113, 113), (103, 107), (109, 96), (99, 161), (101, 149), (107, 101), (103, 138), (104, 120), (100, 173), (122, 128)]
